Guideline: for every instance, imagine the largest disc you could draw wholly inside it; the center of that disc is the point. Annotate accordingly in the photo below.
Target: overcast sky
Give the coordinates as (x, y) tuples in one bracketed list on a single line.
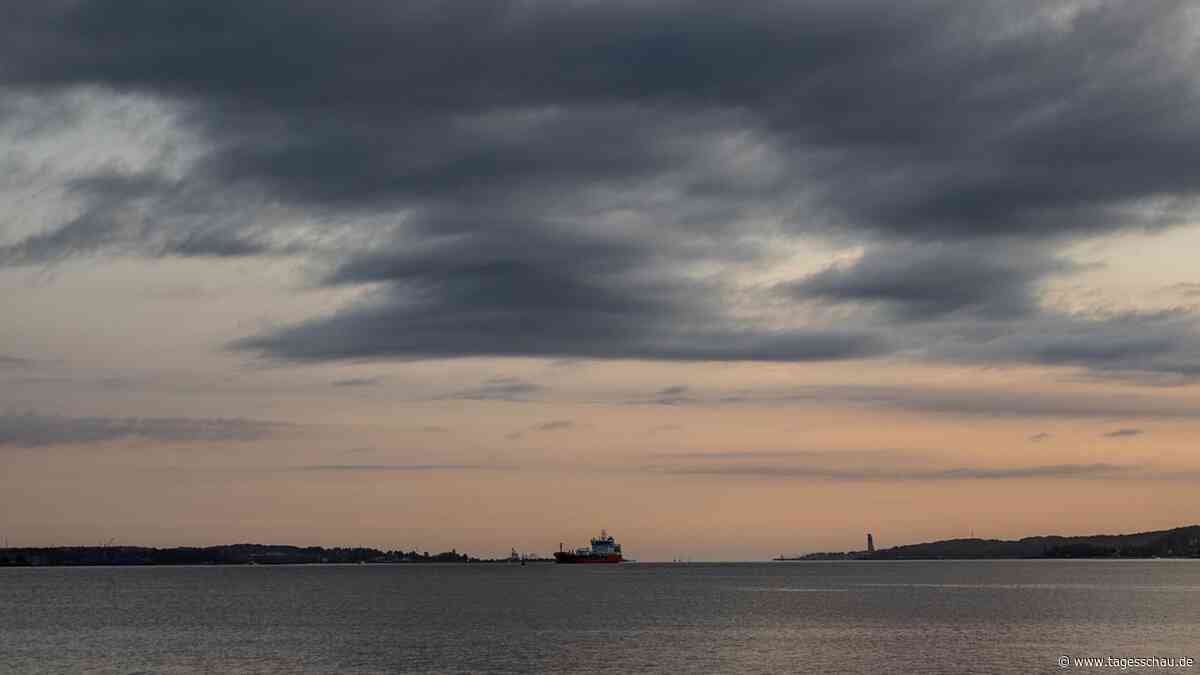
[(728, 279)]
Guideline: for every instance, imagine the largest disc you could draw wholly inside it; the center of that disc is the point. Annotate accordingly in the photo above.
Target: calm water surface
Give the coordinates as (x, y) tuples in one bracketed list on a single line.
[(921, 617)]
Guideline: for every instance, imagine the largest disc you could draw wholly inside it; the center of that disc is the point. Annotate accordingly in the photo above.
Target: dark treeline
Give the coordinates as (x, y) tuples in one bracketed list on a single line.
[(235, 554)]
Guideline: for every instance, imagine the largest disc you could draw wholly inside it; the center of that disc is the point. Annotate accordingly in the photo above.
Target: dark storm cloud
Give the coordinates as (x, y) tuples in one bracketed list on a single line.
[(33, 430), (389, 331), (1006, 117), (930, 281), (514, 293), (538, 177)]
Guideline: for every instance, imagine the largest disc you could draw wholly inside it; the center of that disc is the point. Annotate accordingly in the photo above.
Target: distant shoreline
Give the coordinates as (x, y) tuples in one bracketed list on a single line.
[(1177, 543), (233, 554), (1180, 542)]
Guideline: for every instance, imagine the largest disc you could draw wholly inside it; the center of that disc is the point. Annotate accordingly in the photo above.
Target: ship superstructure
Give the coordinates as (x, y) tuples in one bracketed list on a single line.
[(604, 549)]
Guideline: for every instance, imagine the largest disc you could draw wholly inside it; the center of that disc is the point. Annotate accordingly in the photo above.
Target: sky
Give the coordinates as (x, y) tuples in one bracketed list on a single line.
[(730, 280)]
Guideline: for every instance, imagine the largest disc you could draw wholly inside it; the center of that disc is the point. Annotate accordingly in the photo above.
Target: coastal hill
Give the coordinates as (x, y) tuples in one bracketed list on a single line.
[(1181, 542)]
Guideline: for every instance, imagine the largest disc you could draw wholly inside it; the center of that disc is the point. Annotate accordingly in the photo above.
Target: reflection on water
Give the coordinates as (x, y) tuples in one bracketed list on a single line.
[(952, 617), (784, 589)]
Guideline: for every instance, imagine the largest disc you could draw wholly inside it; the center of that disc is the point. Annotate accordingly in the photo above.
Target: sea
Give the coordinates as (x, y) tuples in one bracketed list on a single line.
[(989, 616)]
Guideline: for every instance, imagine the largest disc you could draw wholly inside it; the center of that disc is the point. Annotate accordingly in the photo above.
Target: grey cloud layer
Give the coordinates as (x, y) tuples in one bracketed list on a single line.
[(544, 179), (358, 382), (33, 430), (900, 474), (1123, 433), (405, 467), (969, 402), (141, 213), (500, 389)]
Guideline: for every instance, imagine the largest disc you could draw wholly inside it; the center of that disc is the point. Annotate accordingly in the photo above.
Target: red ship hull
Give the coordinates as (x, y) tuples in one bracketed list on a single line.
[(565, 558)]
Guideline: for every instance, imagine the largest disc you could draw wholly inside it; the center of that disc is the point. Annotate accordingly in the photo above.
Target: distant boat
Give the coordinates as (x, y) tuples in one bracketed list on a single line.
[(604, 549)]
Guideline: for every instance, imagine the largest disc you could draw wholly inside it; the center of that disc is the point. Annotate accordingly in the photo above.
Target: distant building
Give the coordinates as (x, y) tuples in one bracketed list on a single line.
[(870, 543)]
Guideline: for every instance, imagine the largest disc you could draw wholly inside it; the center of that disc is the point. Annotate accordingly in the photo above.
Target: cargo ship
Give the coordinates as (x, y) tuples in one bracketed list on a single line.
[(604, 549)]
